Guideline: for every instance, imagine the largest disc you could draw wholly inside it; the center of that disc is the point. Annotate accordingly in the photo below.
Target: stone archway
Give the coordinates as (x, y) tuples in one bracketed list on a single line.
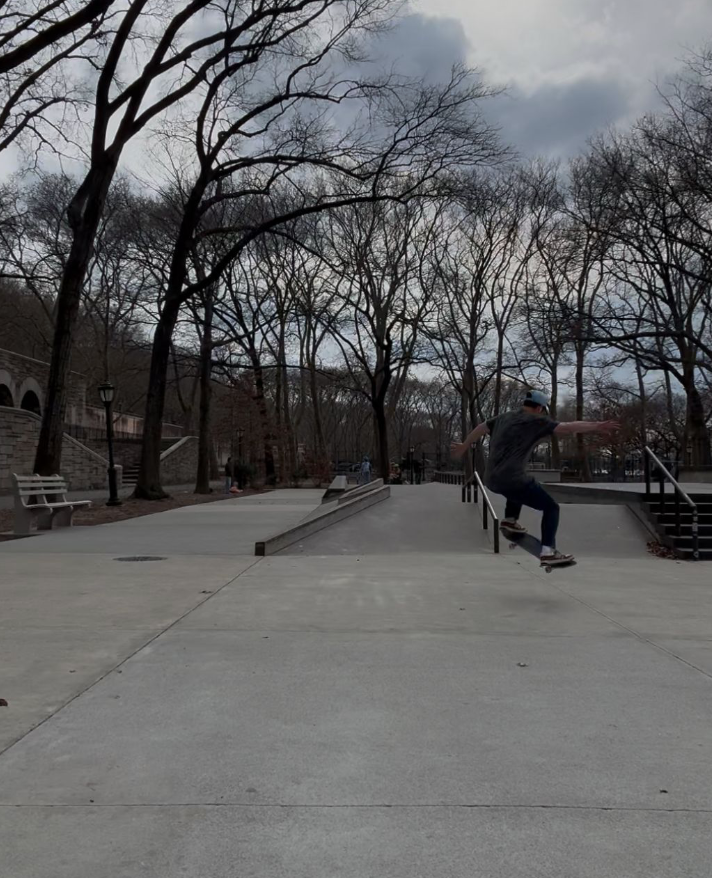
[(6, 396), (30, 396), (31, 403)]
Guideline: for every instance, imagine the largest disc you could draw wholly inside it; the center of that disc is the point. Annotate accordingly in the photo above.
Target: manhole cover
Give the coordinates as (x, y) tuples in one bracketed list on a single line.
[(141, 558)]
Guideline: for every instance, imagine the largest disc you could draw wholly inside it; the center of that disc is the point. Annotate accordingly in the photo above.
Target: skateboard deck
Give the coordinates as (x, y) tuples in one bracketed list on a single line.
[(531, 544)]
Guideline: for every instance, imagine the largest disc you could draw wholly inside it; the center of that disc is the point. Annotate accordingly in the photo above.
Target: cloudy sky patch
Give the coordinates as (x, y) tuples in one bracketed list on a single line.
[(571, 67)]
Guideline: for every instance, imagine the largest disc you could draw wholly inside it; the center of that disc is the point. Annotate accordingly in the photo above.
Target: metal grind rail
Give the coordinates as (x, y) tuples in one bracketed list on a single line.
[(663, 474), (470, 490)]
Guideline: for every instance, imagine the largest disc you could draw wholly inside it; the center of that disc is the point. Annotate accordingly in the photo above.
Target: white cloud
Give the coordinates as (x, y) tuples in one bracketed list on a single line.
[(574, 66), (533, 42)]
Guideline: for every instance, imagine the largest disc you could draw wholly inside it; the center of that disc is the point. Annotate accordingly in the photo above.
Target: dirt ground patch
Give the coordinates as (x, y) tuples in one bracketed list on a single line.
[(99, 513)]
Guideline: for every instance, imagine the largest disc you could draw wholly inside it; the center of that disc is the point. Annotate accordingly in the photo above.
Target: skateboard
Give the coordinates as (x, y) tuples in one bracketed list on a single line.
[(532, 545)]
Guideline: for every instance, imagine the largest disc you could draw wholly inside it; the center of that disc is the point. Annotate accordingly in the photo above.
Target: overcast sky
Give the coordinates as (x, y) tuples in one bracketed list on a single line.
[(571, 66)]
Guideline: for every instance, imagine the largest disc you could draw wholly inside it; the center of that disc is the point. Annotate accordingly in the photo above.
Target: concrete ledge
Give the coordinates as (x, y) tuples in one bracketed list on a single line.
[(546, 476), (585, 494), (690, 474), (336, 512), (359, 490), (335, 489)]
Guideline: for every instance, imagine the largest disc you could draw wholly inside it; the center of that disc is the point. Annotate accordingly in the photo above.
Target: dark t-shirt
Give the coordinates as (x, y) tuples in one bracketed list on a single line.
[(513, 437)]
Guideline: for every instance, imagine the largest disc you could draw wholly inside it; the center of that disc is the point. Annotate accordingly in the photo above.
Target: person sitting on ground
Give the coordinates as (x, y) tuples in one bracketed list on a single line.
[(514, 436)]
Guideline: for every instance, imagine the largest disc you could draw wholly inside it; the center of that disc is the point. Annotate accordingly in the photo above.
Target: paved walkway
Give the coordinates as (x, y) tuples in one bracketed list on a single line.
[(387, 699), (7, 501)]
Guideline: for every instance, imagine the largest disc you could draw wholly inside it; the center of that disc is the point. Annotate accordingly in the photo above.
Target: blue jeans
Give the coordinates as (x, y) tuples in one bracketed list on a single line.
[(533, 495)]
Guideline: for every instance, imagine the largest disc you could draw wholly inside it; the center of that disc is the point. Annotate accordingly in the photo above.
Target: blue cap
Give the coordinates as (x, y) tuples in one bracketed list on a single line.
[(537, 397)]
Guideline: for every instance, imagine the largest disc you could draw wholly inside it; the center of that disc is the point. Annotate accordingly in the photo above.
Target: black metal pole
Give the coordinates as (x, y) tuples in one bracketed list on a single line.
[(695, 536), (113, 492), (646, 470)]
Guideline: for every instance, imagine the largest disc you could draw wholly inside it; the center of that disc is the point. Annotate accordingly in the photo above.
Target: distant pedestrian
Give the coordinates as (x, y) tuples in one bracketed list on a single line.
[(228, 475), (417, 470), (364, 476)]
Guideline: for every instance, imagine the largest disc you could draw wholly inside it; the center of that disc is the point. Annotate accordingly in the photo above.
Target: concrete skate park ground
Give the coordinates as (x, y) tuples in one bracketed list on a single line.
[(387, 698)]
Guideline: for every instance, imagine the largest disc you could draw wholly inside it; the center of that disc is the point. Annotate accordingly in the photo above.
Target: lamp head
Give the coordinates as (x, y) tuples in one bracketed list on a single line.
[(106, 393)]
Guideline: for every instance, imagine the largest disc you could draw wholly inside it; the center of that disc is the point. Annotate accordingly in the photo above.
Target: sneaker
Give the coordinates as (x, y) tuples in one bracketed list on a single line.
[(513, 527), (555, 558)]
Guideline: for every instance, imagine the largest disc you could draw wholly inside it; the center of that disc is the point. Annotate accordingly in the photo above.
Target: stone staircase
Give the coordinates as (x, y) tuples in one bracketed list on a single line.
[(131, 458), (663, 518)]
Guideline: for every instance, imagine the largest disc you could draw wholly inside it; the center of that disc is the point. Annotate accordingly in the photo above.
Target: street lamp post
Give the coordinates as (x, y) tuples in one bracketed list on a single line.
[(106, 393), (412, 468), (240, 434)]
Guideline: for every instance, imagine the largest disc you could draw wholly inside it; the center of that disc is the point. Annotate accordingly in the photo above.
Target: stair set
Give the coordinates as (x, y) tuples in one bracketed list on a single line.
[(661, 514), (131, 458)]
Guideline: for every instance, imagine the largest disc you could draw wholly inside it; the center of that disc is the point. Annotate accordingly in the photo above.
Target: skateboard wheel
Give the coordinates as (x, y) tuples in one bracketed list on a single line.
[(547, 568)]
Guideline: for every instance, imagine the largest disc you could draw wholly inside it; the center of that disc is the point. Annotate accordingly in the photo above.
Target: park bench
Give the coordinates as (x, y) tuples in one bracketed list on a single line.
[(43, 498)]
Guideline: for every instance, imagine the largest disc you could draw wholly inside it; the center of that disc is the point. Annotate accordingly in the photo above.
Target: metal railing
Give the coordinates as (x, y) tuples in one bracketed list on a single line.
[(663, 474), (448, 478), (470, 491)]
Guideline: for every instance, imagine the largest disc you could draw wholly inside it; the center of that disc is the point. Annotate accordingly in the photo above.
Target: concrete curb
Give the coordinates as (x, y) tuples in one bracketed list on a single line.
[(336, 513)]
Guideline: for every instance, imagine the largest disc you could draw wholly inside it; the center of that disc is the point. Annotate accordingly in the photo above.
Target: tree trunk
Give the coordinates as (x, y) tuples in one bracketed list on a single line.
[(643, 407), (281, 465), (84, 216), (697, 437), (290, 451), (316, 406), (260, 400), (498, 376), (553, 406), (148, 485), (202, 478), (581, 450), (381, 423)]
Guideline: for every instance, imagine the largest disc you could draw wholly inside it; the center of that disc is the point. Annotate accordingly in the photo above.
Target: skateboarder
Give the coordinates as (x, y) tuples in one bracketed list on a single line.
[(513, 438)]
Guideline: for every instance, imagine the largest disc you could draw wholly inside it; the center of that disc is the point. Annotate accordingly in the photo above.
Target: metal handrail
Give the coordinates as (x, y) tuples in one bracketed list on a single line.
[(469, 494), (649, 454), (485, 506)]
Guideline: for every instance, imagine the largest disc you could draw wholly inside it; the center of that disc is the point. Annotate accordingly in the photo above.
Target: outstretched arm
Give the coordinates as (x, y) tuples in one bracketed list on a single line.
[(460, 449), (587, 427)]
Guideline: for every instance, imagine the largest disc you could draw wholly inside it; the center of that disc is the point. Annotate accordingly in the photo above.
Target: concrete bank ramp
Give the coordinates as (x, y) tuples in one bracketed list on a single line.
[(416, 519), (431, 518), (590, 531)]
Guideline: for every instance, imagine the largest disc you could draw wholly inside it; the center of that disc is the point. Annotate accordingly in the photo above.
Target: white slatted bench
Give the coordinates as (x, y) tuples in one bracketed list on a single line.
[(31, 502)]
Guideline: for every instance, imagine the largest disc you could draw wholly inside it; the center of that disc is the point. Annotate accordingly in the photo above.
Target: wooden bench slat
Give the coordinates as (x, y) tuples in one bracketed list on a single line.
[(57, 505), (56, 488), (50, 489)]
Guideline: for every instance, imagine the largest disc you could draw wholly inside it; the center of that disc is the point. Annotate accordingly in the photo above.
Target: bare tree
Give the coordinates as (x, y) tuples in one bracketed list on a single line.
[(175, 59), (42, 45), (420, 132)]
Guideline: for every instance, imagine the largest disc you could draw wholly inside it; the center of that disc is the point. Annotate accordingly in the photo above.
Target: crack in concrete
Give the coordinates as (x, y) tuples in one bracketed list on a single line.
[(375, 806), (127, 658), (639, 637)]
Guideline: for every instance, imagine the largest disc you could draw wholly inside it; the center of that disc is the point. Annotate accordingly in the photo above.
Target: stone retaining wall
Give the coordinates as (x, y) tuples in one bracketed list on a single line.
[(179, 463), (83, 468), (21, 374)]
